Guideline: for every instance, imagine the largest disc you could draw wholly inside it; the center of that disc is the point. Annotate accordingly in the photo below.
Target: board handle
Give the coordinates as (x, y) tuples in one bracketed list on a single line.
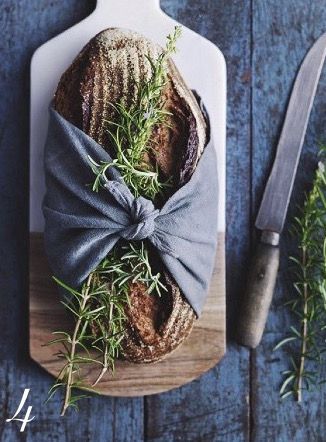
[(259, 292), (107, 5)]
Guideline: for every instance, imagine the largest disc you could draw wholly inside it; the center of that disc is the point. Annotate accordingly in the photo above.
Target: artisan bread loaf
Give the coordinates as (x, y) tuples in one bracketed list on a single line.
[(103, 73)]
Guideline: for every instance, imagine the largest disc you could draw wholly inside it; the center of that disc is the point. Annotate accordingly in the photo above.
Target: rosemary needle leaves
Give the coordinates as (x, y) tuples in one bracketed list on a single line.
[(99, 307), (133, 130), (307, 340)]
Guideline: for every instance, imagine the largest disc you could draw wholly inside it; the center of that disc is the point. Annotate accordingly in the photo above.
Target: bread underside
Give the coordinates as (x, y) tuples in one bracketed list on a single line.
[(103, 73)]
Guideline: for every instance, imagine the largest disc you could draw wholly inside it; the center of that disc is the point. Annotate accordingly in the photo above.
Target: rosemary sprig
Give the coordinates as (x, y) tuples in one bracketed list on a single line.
[(99, 307), (79, 306), (307, 341), (99, 311), (131, 134)]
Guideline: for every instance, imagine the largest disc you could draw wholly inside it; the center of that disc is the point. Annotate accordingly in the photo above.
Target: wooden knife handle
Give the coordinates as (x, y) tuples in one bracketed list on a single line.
[(259, 291)]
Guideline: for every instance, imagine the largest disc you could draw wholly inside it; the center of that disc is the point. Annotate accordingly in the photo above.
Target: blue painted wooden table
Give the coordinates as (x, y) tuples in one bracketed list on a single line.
[(264, 42)]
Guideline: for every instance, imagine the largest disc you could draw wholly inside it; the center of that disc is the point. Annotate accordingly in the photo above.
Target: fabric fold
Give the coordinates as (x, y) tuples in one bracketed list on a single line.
[(82, 226)]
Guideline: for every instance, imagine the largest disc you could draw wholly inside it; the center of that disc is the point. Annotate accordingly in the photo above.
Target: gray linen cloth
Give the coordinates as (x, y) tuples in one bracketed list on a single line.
[(82, 226)]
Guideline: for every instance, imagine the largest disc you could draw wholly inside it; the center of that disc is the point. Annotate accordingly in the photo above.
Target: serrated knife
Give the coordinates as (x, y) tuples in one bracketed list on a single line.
[(272, 213)]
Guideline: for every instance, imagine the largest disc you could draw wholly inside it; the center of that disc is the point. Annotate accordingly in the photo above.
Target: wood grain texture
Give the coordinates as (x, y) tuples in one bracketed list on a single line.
[(201, 350), (283, 33)]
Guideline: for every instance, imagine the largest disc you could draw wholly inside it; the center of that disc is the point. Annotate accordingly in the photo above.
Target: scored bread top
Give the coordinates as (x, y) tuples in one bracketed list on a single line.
[(104, 73)]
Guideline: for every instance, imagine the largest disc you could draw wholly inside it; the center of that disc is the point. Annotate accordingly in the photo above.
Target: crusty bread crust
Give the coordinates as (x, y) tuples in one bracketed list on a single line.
[(103, 73)]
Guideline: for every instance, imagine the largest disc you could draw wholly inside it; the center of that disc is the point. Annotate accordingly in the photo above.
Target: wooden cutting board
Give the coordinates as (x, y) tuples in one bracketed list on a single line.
[(203, 67)]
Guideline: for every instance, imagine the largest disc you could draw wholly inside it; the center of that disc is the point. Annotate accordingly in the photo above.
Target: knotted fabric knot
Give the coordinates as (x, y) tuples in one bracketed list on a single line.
[(141, 212), (143, 215)]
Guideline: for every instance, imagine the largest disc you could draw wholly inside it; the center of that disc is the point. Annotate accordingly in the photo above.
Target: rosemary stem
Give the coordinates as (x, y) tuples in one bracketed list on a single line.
[(307, 341), (304, 330), (73, 349), (105, 355), (102, 373)]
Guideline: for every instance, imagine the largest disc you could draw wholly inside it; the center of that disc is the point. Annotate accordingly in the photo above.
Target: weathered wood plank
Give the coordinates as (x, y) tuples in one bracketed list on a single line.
[(24, 25), (215, 407), (282, 34)]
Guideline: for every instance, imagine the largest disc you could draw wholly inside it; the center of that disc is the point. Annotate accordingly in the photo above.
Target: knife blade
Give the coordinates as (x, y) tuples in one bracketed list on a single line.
[(273, 209), (277, 194)]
